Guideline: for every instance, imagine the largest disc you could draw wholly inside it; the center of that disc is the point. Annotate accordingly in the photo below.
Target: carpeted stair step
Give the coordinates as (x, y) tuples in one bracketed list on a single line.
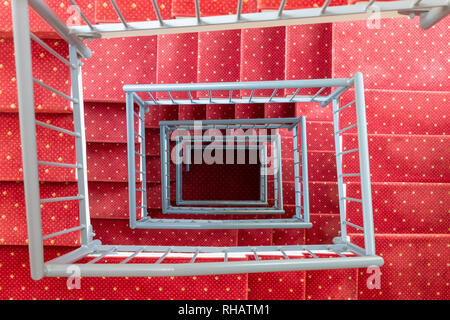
[(219, 54), (177, 61), (52, 146), (396, 56), (339, 284), (403, 208), (309, 54), (63, 9), (276, 285), (153, 167), (321, 166), (56, 216), (116, 62), (106, 122), (414, 267), (117, 231), (109, 200), (107, 162), (401, 158), (401, 112), (191, 112), (219, 111), (152, 142), (279, 110), (160, 113), (249, 110), (262, 57), (17, 283), (46, 68)]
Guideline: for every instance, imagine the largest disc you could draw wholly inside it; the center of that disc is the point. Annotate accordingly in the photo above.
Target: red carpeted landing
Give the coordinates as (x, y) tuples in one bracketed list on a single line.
[(405, 74)]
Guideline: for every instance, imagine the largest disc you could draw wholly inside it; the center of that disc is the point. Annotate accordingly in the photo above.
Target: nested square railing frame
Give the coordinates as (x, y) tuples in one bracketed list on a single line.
[(186, 155), (196, 207), (299, 220), (338, 86)]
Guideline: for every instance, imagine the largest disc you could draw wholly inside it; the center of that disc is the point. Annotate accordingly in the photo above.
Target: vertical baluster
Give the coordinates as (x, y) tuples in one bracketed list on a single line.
[(179, 168), (370, 4), (119, 13), (82, 15), (275, 176), (263, 161), (325, 6), (168, 160), (197, 10), (281, 8), (279, 172), (131, 160), (164, 186), (157, 12), (239, 9)]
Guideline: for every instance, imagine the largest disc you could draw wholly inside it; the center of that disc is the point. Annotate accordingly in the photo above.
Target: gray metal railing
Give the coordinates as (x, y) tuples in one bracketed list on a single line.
[(346, 254), (430, 12), (184, 154)]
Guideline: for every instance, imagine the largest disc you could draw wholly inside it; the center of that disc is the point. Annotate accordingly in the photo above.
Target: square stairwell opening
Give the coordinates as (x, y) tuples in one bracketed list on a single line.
[(262, 140)]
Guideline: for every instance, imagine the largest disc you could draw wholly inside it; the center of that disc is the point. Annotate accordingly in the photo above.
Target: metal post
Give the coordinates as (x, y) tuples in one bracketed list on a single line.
[(305, 180), (164, 185), (167, 165), (24, 77), (279, 172), (366, 194), (179, 172), (263, 173), (143, 159), (80, 144), (340, 182), (275, 177), (131, 160)]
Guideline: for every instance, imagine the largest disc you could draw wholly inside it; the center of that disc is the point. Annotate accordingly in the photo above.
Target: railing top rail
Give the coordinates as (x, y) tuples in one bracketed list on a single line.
[(230, 121), (244, 85)]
